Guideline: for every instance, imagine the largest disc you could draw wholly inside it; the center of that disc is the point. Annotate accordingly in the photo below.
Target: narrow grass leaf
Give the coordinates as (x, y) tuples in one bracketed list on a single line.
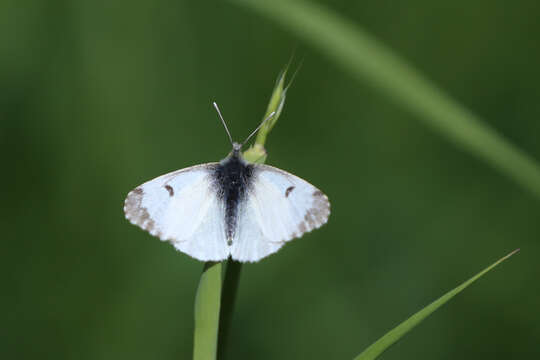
[(370, 61), (257, 153), (207, 306), (377, 348), (277, 100)]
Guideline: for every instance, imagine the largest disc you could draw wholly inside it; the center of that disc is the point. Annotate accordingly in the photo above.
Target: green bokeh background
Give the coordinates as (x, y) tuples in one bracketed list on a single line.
[(97, 97)]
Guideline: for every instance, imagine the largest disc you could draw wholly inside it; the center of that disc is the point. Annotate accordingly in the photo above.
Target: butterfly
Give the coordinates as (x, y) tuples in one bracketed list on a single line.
[(231, 208)]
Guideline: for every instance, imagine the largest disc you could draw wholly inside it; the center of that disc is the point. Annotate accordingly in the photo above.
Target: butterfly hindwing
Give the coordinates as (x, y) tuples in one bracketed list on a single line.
[(182, 207), (280, 207)]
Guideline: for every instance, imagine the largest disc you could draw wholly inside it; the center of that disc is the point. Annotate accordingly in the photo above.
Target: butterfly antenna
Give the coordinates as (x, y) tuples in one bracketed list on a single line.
[(258, 127), (223, 122)]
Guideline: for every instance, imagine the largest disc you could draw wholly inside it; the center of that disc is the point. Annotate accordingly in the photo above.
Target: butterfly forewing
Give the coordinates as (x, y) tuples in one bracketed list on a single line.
[(183, 208), (280, 207)]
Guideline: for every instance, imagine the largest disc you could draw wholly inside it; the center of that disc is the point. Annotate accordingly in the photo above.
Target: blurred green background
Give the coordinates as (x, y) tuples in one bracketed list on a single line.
[(97, 97)]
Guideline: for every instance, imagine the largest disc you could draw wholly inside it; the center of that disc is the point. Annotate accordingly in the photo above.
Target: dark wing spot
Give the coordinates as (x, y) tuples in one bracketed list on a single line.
[(169, 189), (288, 191)]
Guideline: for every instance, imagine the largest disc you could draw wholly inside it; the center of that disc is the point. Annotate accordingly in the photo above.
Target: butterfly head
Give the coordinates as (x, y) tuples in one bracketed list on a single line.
[(236, 147), (236, 150)]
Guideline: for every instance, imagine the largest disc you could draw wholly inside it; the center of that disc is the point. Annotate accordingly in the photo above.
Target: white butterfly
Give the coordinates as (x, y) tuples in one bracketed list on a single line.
[(231, 208)]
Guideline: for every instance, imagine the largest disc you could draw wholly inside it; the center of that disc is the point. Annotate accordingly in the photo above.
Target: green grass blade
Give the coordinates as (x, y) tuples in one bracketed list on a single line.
[(207, 305), (231, 280), (369, 60), (257, 153), (277, 100), (377, 348)]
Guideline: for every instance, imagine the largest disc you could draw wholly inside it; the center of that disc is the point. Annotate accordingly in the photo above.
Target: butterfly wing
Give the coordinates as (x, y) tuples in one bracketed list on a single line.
[(182, 207), (280, 207)]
